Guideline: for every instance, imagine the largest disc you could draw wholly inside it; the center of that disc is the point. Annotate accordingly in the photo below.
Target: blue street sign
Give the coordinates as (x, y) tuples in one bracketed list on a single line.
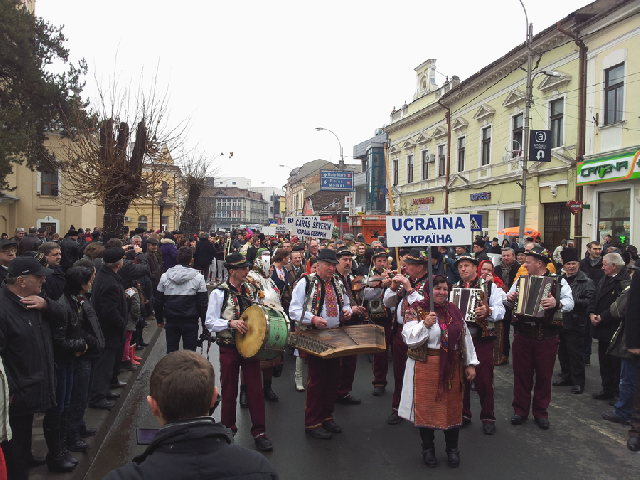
[(336, 180), (476, 223)]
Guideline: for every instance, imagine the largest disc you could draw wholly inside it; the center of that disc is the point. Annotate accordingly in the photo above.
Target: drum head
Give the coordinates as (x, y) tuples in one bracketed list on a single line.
[(250, 343)]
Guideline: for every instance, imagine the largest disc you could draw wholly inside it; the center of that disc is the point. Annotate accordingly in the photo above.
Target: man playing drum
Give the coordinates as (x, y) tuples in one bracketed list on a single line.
[(226, 305), (319, 301)]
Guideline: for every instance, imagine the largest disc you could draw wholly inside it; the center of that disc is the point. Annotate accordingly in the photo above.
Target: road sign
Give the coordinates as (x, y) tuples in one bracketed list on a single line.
[(476, 223), (420, 230), (540, 146), (336, 180)]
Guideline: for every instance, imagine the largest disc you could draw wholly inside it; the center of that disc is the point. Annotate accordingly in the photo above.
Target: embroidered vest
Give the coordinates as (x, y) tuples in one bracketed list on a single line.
[(402, 303), (233, 305), (314, 294), (486, 329), (375, 308)]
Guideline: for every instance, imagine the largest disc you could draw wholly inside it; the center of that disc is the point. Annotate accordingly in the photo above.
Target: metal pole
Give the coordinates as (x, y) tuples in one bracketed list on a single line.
[(430, 270), (525, 153)]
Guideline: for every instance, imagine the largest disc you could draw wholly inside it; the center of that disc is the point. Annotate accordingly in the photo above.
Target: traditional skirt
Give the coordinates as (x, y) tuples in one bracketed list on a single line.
[(442, 414), (498, 343)]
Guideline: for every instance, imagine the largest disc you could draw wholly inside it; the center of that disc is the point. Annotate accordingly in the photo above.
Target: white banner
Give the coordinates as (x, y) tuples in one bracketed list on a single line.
[(309, 227), (275, 229), (422, 230)]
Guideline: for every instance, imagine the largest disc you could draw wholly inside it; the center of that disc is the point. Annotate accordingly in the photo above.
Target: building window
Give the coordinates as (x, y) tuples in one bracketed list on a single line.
[(555, 121), (441, 160), (486, 145), (425, 165), (516, 136), (409, 168), (462, 144), (614, 216), (142, 222), (395, 172), (165, 189), (613, 94), (49, 184), (165, 223)]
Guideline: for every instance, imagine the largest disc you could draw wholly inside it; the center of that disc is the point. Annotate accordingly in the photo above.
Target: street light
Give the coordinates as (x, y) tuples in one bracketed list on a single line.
[(318, 129), (529, 101), (161, 203)]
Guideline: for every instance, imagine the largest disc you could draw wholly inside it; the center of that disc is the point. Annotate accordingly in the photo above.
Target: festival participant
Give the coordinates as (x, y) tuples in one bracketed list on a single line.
[(404, 291), (571, 347), (226, 305), (319, 300), (506, 271), (439, 344), (348, 362), (381, 315), (487, 272), (484, 332), (535, 345)]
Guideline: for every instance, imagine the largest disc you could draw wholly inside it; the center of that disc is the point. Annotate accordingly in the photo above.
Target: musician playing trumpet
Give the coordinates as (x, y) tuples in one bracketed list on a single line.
[(483, 332), (535, 344)]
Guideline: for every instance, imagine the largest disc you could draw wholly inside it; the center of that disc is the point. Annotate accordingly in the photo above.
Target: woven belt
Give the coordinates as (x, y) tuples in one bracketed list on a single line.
[(433, 352)]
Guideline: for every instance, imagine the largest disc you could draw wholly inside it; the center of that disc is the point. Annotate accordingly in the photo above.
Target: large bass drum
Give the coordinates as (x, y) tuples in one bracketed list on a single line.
[(267, 333)]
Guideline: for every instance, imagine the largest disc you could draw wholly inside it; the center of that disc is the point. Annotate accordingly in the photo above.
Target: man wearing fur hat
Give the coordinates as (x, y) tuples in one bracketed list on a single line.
[(535, 345), (571, 347), (69, 249)]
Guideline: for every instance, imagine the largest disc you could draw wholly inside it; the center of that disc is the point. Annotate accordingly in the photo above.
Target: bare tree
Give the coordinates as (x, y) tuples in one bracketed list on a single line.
[(108, 163), (196, 169)]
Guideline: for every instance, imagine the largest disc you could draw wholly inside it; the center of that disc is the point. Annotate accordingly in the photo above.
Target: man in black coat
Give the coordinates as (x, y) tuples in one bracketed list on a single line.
[(190, 443), (605, 325), (109, 302), (27, 353), (8, 248), (205, 253), (479, 252), (29, 243), (591, 266), (54, 288), (70, 249), (571, 347), (632, 337)]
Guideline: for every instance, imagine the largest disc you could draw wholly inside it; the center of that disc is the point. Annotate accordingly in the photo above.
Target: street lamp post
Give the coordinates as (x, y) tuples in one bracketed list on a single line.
[(341, 167), (528, 102), (161, 203)]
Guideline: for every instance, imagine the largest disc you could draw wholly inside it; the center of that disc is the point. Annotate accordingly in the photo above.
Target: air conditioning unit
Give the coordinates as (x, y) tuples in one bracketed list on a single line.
[(431, 158), (127, 219)]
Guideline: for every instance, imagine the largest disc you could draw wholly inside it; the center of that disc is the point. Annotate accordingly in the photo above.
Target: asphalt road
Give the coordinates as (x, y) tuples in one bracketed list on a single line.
[(579, 444)]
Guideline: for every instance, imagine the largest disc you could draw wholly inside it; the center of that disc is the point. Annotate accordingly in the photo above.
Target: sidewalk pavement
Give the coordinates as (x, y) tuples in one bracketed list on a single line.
[(95, 418)]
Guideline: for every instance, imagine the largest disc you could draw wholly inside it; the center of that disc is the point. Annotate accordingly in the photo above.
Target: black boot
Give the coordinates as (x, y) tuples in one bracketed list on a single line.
[(244, 401), (269, 394), (56, 460), (63, 439), (451, 441), (277, 370)]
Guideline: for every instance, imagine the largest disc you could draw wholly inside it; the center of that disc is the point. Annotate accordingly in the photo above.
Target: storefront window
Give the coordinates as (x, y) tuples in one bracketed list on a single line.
[(614, 215), (511, 218)]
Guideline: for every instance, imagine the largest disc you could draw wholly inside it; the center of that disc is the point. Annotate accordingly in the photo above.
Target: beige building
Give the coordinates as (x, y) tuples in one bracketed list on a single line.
[(35, 200)]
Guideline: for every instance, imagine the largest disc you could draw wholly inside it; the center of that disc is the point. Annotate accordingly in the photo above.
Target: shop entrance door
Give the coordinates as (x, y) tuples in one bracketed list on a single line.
[(557, 224)]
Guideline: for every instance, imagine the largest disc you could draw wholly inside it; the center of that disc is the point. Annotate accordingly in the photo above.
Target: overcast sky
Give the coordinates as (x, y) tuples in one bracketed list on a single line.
[(257, 77)]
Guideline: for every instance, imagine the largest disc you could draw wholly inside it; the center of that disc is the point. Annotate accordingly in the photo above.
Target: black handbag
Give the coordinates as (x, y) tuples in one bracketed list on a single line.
[(618, 347)]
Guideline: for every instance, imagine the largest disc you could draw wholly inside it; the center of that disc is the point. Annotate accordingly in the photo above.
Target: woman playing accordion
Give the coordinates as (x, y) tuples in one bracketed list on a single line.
[(439, 345)]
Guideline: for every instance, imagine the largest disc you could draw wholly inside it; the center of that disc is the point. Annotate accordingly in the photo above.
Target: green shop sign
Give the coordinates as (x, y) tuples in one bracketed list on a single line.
[(609, 169)]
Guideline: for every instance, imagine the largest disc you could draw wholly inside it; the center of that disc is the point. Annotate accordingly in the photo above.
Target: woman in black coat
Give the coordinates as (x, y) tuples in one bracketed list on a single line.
[(68, 343), (203, 256)]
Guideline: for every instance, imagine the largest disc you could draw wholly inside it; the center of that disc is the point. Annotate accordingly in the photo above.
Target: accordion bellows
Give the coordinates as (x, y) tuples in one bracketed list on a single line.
[(467, 300), (531, 289)]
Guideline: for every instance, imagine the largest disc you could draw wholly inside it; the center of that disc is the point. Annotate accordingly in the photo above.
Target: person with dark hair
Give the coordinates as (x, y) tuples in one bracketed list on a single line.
[(132, 274), (431, 392), (190, 444), (69, 249), (366, 263), (227, 303), (8, 249), (94, 253), (169, 251), (54, 287), (109, 302), (29, 243), (479, 251), (181, 299), (204, 255), (84, 364), (68, 344), (507, 271)]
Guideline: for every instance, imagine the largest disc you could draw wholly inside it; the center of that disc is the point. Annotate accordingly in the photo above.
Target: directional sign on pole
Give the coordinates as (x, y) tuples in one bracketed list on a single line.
[(421, 230), (336, 180), (540, 146)]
